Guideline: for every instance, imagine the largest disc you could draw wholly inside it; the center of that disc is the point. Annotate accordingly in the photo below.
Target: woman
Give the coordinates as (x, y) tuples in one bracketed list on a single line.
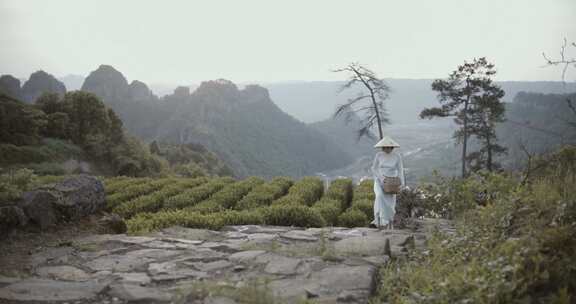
[(387, 163)]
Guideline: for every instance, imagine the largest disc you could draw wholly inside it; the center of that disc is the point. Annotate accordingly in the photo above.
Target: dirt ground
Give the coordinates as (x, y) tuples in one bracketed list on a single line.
[(18, 247)]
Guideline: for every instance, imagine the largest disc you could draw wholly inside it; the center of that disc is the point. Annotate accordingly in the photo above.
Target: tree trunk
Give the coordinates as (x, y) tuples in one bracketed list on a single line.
[(377, 116), (489, 151)]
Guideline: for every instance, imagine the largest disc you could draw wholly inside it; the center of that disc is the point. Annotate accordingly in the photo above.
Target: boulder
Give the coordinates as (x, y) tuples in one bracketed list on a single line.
[(71, 199), (112, 224), (11, 217)]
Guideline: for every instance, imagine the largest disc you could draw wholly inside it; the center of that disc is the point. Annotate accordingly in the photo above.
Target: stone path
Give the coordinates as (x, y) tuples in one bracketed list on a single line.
[(251, 264)]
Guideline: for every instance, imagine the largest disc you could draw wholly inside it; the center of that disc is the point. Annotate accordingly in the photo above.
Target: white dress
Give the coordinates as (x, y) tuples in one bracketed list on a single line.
[(385, 165)]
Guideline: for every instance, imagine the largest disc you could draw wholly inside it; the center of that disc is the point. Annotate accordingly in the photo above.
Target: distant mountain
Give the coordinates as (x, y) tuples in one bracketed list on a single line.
[(247, 130), (243, 127), (344, 134), (316, 100), (140, 110), (39, 82)]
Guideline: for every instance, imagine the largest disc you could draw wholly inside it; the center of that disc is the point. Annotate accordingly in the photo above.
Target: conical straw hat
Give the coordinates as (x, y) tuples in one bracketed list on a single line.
[(386, 142)]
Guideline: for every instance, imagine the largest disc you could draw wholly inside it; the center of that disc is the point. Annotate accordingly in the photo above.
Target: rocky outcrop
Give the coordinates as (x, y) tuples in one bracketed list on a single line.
[(41, 82), (11, 217), (68, 200), (10, 86), (273, 264)]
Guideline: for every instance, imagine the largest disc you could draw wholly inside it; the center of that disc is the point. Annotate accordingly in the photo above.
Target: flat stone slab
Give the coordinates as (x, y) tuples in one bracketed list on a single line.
[(245, 256), (137, 294), (326, 265), (282, 265), (64, 273), (50, 291), (211, 266), (360, 245), (301, 235)]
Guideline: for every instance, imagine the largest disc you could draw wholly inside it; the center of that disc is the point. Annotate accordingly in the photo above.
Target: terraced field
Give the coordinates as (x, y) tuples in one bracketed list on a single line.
[(152, 204)]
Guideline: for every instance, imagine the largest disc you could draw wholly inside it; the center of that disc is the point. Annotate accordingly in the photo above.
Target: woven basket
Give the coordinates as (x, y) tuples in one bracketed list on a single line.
[(391, 185)]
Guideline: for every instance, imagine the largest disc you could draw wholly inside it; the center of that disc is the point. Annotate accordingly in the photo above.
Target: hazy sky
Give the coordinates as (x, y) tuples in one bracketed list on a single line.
[(186, 42)]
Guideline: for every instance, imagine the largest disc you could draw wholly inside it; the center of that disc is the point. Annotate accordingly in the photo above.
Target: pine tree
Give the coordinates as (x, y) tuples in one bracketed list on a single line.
[(458, 94)]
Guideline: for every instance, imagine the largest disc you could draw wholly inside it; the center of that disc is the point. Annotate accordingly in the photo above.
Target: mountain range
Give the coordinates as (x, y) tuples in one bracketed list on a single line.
[(261, 130)]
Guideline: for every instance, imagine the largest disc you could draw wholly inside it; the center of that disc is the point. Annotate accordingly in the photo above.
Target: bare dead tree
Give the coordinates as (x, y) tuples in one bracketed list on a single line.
[(369, 103), (565, 62)]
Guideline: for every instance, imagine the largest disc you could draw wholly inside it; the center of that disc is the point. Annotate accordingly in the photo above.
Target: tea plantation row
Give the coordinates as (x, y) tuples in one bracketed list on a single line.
[(151, 204)]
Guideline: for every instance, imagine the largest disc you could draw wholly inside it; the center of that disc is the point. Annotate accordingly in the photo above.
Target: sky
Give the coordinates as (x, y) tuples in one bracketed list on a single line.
[(188, 41)]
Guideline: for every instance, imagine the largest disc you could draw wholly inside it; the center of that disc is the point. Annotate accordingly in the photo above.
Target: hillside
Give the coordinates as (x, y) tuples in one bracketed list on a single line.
[(247, 130)]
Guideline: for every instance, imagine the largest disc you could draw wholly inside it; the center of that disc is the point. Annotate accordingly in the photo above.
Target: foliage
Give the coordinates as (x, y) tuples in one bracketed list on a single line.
[(232, 193), (265, 193), (197, 194), (364, 190), (306, 191), (341, 191), (353, 218), (78, 122), (470, 96), (517, 247), (330, 209), (147, 222), (13, 183), (191, 160), (135, 191), (293, 215), (364, 205), (154, 201), (245, 217), (450, 197)]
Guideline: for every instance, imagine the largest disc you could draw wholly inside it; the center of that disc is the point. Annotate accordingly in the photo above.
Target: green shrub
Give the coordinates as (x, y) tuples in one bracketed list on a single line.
[(206, 207), (353, 218), (132, 192), (293, 215), (147, 222), (330, 209), (366, 206), (516, 246), (14, 182), (197, 194), (340, 190), (231, 194), (307, 190), (114, 185), (155, 200), (365, 190), (289, 199), (245, 217), (264, 194)]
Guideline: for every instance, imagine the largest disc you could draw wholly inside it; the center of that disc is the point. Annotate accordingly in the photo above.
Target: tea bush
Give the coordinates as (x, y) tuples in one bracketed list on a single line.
[(245, 217), (330, 209), (155, 200), (147, 222), (364, 190), (293, 215), (231, 194), (197, 194), (264, 194), (353, 218), (134, 191), (341, 191), (364, 205)]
